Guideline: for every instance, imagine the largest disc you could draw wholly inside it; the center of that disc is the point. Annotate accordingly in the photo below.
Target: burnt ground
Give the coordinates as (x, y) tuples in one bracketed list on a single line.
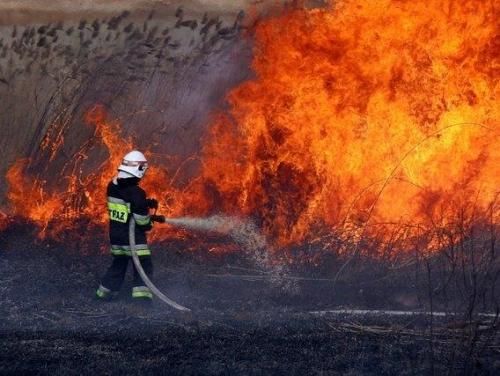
[(242, 323)]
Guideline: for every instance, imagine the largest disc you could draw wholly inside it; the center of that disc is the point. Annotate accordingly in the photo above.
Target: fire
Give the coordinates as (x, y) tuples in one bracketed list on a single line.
[(369, 113), (56, 207), (4, 220), (362, 118), (31, 200)]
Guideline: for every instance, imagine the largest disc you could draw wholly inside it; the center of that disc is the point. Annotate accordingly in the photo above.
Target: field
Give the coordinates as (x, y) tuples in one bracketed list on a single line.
[(241, 321), (82, 85)]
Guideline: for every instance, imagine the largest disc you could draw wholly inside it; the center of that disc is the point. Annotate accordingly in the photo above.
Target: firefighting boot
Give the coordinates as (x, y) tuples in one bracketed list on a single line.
[(142, 296), (104, 294), (142, 293)]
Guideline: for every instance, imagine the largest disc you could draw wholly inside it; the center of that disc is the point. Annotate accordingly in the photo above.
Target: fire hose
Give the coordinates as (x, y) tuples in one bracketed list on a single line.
[(140, 270)]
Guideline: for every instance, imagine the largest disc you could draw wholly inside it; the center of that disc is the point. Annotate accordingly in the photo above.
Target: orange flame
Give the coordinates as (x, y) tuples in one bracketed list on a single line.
[(54, 206), (30, 199), (384, 112), (361, 117)]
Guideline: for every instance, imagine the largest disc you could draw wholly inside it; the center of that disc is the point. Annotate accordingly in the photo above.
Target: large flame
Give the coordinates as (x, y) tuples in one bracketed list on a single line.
[(361, 116), (369, 113)]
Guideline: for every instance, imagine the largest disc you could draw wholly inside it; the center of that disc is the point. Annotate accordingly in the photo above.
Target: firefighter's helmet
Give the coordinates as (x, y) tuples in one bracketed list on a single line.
[(134, 164)]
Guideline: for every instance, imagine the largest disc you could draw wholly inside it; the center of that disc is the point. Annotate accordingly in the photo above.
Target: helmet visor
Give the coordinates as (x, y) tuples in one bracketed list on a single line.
[(141, 166)]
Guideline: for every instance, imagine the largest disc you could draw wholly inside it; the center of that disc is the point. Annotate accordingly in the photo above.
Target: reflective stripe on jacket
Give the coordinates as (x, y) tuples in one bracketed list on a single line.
[(125, 200), (125, 250)]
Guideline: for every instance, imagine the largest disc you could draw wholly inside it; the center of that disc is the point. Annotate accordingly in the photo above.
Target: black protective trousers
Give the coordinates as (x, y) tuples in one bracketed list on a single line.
[(113, 279)]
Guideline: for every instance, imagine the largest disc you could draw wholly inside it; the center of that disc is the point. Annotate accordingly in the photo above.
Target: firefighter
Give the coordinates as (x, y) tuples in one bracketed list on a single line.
[(127, 200)]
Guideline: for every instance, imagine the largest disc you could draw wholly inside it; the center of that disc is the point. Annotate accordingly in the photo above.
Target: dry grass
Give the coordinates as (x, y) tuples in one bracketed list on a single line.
[(153, 68), (161, 77)]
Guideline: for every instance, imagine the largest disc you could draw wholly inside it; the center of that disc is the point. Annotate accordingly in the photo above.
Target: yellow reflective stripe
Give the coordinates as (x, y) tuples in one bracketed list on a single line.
[(128, 252), (127, 247), (143, 252), (118, 212), (142, 295), (140, 288), (120, 252), (142, 220), (141, 292)]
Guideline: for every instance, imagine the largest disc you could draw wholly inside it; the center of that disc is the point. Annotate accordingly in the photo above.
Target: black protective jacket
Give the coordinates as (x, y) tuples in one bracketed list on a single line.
[(127, 199)]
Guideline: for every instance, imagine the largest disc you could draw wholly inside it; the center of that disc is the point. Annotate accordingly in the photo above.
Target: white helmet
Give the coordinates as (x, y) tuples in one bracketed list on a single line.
[(134, 164)]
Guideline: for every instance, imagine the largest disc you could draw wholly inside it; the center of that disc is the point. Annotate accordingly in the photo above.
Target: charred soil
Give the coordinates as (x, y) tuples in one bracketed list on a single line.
[(241, 322)]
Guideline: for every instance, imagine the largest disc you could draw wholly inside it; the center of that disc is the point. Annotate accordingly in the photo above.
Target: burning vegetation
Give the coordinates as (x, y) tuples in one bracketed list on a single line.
[(365, 120), (348, 154), (374, 122)]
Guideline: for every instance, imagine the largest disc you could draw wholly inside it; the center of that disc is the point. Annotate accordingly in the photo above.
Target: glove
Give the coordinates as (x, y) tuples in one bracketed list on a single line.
[(158, 218), (152, 203)]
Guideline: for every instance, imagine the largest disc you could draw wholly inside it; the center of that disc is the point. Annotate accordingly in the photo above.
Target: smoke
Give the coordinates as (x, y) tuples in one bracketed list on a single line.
[(247, 235)]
